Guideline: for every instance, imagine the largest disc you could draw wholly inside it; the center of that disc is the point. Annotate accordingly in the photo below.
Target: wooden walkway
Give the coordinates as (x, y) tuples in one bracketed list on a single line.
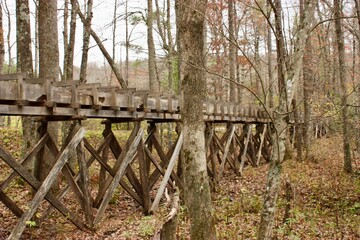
[(143, 167)]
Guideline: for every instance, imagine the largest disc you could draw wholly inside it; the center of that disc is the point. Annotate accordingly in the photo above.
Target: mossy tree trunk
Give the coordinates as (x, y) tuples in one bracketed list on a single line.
[(291, 73), (196, 183)]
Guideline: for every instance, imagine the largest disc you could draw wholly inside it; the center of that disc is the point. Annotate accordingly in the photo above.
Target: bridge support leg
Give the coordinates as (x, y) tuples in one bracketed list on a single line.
[(44, 187)]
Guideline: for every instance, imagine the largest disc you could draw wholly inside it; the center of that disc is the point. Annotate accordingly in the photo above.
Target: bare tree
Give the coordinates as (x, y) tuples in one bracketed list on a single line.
[(290, 72), (98, 41), (86, 41), (232, 50), (343, 81), (153, 83)]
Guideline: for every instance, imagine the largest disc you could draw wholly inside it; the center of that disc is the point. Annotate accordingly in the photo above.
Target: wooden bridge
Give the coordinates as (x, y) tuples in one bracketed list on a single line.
[(235, 137)]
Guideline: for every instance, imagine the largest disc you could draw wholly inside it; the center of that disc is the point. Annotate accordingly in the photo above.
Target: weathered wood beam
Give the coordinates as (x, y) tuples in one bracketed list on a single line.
[(125, 161), (243, 155), (46, 184), (168, 172)]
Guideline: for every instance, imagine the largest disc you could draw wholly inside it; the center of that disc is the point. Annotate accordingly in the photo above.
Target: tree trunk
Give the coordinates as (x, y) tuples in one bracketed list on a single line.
[(196, 182), (86, 41), (2, 44), (232, 50), (69, 64), (2, 54), (65, 37), (357, 7), (308, 80), (153, 83), (269, 62), (279, 132), (24, 64), (49, 67), (343, 81), (127, 42)]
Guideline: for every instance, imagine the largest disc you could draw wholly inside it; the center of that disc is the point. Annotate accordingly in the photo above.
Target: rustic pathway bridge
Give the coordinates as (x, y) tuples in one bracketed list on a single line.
[(142, 166)]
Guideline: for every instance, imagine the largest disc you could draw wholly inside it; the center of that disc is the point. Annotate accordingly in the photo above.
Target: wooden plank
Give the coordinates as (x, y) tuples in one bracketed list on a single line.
[(84, 185), (144, 169), (168, 172), (10, 204), (245, 149), (127, 157), (164, 162), (63, 193), (261, 144), (12, 76), (66, 83), (226, 150)]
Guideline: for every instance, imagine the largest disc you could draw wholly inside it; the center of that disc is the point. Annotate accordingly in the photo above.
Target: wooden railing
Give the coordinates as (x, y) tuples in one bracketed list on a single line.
[(20, 95)]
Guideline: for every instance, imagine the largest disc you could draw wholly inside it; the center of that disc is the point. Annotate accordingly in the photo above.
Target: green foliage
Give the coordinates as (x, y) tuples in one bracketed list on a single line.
[(251, 203), (31, 223), (147, 226), (9, 68)]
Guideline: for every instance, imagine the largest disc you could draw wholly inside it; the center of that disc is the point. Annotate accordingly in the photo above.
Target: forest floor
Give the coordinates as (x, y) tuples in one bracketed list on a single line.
[(324, 204)]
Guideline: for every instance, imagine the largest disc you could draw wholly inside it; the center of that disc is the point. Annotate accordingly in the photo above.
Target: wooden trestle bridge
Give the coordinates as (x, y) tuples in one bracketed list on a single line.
[(142, 166)]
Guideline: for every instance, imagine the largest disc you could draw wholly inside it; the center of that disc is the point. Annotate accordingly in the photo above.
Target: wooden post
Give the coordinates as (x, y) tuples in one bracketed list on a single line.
[(84, 185), (243, 155), (167, 173), (261, 144), (226, 150), (144, 168)]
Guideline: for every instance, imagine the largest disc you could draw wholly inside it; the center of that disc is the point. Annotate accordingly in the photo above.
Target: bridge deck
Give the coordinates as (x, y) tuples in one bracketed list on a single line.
[(72, 100)]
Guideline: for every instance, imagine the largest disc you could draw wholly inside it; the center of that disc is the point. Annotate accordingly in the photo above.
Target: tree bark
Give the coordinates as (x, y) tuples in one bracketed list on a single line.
[(86, 41), (196, 182), (2, 44), (2, 54), (69, 64), (24, 64), (357, 7), (269, 61), (232, 50), (343, 80), (291, 73), (48, 68), (153, 83)]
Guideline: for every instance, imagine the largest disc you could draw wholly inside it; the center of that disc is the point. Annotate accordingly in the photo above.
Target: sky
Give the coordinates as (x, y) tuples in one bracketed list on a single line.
[(101, 23)]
